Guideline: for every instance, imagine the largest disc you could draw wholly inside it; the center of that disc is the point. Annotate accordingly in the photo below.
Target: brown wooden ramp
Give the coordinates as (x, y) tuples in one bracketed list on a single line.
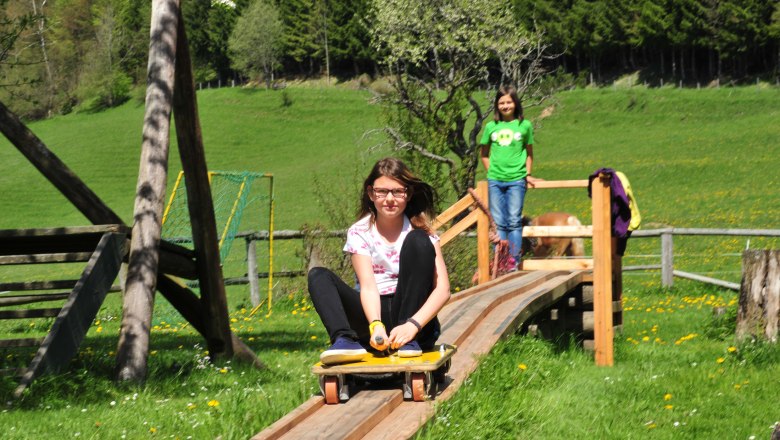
[(474, 320)]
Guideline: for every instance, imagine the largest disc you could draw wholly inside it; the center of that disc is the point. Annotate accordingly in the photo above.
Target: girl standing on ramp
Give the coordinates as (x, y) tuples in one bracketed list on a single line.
[(401, 273), (508, 156)]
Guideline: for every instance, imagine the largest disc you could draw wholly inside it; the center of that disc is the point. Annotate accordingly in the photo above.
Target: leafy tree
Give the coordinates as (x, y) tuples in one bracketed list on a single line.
[(439, 53), (11, 28), (255, 42)]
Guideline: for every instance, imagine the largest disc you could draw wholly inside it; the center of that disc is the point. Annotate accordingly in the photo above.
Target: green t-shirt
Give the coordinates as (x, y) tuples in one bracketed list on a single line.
[(507, 142)]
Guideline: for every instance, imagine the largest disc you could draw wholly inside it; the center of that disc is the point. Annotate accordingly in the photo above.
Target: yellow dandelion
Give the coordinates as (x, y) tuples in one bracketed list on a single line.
[(99, 329), (233, 320), (314, 338), (152, 429), (522, 367), (731, 349), (668, 396), (213, 403), (651, 426), (223, 370), (191, 406), (720, 360), (645, 338), (668, 406), (153, 352), (251, 338), (737, 386)]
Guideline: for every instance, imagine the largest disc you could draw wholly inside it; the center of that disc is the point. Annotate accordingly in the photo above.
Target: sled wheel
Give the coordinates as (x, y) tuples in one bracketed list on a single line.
[(332, 390), (418, 387)]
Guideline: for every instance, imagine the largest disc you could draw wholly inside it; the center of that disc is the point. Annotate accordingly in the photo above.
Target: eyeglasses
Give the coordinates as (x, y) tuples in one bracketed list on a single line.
[(381, 193)]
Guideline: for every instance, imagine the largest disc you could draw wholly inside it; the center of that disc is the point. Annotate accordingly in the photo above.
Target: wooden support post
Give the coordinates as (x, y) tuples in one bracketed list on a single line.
[(65, 180), (602, 271), (133, 347), (759, 295), (201, 206), (667, 259), (251, 271), (483, 239)]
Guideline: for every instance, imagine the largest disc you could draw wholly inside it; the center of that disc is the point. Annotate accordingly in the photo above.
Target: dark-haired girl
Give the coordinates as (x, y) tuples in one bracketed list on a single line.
[(400, 270), (508, 156)]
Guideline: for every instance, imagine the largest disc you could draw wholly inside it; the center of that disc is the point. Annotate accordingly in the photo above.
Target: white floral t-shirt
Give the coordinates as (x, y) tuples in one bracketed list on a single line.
[(363, 239)]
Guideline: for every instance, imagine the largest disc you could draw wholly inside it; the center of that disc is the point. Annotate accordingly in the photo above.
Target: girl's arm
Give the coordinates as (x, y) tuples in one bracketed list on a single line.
[(369, 294), (438, 298), (529, 164), (486, 156)]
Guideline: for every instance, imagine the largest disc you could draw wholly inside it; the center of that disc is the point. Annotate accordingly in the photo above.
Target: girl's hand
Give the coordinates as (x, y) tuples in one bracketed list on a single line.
[(402, 334), (531, 181), (380, 334)]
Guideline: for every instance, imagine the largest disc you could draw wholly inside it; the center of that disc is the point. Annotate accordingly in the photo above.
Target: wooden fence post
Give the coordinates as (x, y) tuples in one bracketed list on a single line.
[(667, 259), (759, 295), (483, 239), (251, 271), (603, 332)]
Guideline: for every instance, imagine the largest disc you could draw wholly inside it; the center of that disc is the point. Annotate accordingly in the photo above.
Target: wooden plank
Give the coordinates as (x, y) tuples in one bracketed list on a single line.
[(452, 211), (70, 257), (78, 312), (558, 231), (29, 313), (558, 264), (20, 342), (602, 271), (199, 201), (17, 300), (98, 230), (483, 238), (547, 184), (349, 420), (143, 263), (65, 180), (38, 285), (292, 419), (459, 227)]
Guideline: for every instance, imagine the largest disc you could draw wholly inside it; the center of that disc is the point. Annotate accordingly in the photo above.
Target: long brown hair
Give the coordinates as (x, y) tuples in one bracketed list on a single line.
[(512, 92), (420, 197)]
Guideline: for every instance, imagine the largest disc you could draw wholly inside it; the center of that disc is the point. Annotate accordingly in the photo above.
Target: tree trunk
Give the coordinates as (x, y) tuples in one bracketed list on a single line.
[(759, 296), (138, 304)]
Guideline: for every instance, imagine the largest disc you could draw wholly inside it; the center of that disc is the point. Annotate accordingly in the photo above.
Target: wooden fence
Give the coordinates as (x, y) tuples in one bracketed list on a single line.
[(667, 252)]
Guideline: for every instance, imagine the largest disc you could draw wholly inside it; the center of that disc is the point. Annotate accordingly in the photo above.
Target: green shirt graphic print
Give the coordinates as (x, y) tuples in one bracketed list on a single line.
[(507, 142)]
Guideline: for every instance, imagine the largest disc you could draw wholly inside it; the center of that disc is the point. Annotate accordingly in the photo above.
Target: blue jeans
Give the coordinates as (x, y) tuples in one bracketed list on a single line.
[(506, 207)]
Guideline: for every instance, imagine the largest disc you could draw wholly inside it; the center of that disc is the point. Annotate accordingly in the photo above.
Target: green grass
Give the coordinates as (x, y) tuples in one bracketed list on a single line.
[(677, 374), (705, 158)]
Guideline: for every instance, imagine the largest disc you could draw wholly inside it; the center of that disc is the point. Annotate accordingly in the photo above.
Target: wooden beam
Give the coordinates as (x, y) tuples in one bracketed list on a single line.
[(547, 184), (602, 271), (69, 257), (461, 226), (38, 285), (17, 300), (133, 347), (78, 312), (20, 342), (451, 212), (52, 168), (29, 313), (558, 264), (199, 202), (558, 231), (483, 239)]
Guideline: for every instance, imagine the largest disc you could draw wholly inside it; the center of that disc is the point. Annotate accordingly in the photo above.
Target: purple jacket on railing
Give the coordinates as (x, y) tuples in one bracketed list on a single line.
[(621, 213)]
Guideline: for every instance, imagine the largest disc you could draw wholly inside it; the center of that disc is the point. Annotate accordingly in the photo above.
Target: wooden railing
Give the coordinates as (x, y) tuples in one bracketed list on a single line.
[(601, 263)]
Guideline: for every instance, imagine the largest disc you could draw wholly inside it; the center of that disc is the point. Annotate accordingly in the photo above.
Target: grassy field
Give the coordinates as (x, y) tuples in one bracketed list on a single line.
[(696, 158)]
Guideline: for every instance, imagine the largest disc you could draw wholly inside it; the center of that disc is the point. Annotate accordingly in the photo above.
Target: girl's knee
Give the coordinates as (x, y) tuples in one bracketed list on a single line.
[(417, 241), (316, 275)]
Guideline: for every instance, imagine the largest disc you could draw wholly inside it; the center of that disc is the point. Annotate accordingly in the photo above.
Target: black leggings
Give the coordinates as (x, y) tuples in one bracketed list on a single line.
[(339, 305)]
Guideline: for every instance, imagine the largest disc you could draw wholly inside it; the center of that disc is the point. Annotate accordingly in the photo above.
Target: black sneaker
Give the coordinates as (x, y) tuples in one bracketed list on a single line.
[(410, 349), (343, 350)]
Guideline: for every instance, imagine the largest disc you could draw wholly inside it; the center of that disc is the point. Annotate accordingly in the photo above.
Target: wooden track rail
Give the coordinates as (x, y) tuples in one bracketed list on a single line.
[(474, 320)]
